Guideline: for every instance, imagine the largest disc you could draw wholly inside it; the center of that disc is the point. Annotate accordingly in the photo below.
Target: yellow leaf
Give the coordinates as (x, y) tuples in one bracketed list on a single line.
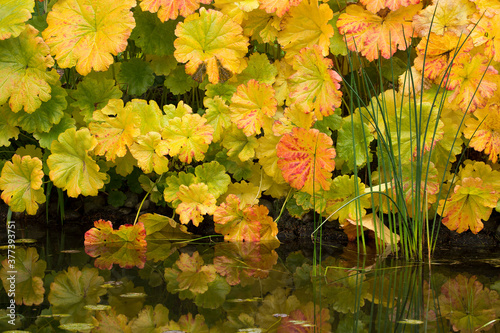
[(21, 182), (210, 41), (88, 33), (114, 127), (149, 150), (195, 202), (307, 26)]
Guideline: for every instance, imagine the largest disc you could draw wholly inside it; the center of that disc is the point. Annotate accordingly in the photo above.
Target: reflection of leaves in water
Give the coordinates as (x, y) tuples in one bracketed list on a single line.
[(307, 318), (129, 306), (468, 304), (73, 289), (28, 278)]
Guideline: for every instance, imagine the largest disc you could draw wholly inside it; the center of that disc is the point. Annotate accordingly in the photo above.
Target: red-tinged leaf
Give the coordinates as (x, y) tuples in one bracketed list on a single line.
[(251, 105), (306, 159), (472, 81), (484, 31), (233, 222), (88, 33), (438, 52), (315, 86), (280, 7), (483, 128), (370, 33), (472, 201), (125, 246), (170, 9), (376, 5)]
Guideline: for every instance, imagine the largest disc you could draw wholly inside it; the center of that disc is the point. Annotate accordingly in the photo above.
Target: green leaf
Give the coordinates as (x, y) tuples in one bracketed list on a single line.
[(259, 68), (173, 184), (214, 175), (71, 167), (45, 139), (178, 82), (13, 15), (337, 42), (137, 76), (152, 35), (21, 182), (328, 124), (116, 198), (48, 114), (222, 90), (360, 138), (93, 94), (161, 65), (150, 319)]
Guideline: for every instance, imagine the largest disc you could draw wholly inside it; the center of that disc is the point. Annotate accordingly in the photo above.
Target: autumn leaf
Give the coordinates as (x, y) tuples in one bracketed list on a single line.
[(150, 319), (21, 184), (170, 9), (195, 202), (307, 26), (306, 159), (115, 128), (259, 68), (218, 115), (315, 86), (354, 227), (188, 137), (472, 81), (471, 201), (173, 184), (125, 246), (87, 33), (13, 15), (237, 10), (483, 128), (24, 78), (280, 7), (211, 41), (29, 274), (262, 26), (444, 16), (250, 105), (239, 145), (370, 33), (437, 52), (149, 150), (250, 224), (71, 167), (484, 30)]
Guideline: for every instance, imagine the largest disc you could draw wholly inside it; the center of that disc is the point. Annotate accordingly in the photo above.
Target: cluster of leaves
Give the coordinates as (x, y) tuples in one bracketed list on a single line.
[(232, 287), (217, 103)]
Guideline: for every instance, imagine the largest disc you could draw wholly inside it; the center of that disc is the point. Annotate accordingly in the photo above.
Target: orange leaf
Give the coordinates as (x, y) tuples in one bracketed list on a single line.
[(370, 33), (170, 9), (306, 159), (484, 131)]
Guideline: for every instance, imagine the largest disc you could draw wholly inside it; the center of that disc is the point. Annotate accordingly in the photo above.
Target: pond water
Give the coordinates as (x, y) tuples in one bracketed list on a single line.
[(209, 286)]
